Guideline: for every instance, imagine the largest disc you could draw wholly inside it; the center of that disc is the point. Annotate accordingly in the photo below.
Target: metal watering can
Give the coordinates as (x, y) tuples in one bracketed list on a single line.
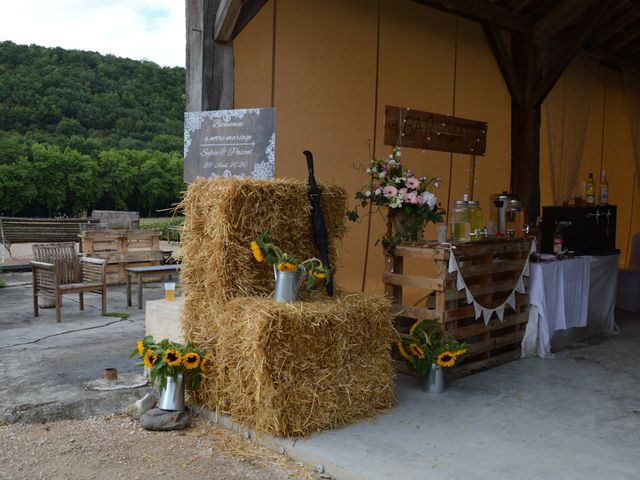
[(288, 284)]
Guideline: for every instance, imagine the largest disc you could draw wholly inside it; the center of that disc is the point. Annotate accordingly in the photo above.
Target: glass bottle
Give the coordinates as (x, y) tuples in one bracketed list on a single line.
[(557, 240), (590, 191), (475, 216), (604, 189), (460, 225)]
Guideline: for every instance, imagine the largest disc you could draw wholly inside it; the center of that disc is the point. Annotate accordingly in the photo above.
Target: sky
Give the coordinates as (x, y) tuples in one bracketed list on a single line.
[(139, 29)]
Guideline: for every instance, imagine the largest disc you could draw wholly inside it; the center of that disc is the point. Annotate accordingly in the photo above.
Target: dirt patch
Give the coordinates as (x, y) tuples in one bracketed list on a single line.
[(116, 446)]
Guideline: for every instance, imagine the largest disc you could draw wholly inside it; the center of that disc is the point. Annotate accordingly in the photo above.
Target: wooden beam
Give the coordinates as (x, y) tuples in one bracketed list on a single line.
[(209, 78), (581, 34), (250, 9), (517, 5), (482, 10), (226, 17), (627, 38), (561, 15), (514, 85), (623, 19)]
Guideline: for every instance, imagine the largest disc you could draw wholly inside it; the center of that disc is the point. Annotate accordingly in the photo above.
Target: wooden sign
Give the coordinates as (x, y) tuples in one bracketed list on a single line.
[(432, 131), (229, 143)]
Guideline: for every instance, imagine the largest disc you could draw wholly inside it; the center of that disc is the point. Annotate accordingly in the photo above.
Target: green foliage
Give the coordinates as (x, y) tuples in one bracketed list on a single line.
[(80, 130), (163, 225)]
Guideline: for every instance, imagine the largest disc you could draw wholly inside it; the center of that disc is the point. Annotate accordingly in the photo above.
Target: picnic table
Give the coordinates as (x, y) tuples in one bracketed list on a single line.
[(141, 272)]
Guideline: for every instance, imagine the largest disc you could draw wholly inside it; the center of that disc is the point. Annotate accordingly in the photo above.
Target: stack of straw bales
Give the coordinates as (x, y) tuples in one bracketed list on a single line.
[(284, 369)]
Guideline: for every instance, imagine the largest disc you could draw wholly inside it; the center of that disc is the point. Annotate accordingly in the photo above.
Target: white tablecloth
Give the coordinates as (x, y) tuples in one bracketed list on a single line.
[(575, 298), (559, 299)]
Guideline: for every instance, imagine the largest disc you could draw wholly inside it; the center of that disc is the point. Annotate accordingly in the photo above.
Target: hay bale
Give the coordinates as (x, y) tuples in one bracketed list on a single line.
[(294, 368), (223, 215)]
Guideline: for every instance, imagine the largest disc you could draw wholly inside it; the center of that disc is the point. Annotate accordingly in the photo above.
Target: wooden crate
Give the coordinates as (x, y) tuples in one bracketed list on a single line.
[(490, 269), (123, 249)]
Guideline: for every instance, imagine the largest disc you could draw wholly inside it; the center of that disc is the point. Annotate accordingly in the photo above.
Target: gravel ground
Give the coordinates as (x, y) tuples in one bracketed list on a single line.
[(116, 446)]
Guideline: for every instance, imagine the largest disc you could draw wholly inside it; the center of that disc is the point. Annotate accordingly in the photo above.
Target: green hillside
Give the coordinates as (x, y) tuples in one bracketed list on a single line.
[(80, 130)]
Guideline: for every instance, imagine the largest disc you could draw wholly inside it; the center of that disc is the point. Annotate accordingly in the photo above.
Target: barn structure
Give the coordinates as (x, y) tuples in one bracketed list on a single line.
[(556, 81)]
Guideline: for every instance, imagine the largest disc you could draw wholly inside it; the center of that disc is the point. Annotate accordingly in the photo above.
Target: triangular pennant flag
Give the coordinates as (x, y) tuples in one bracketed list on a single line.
[(486, 313), (527, 270), (453, 266), (520, 286), (512, 300), (469, 296), (478, 309), (533, 246), (500, 312), (460, 282)]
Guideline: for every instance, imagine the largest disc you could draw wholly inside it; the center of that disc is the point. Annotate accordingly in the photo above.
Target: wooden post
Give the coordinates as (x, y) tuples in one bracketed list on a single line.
[(209, 76)]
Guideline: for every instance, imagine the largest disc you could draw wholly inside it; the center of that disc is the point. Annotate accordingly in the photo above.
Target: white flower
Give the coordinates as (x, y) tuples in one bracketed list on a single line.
[(382, 174), (392, 162), (430, 199), (398, 153), (378, 191), (368, 170)]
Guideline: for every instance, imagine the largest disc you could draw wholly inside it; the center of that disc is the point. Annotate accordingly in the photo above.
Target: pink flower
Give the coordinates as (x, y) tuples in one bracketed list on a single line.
[(421, 199), (411, 197), (389, 191), (402, 191), (412, 182)]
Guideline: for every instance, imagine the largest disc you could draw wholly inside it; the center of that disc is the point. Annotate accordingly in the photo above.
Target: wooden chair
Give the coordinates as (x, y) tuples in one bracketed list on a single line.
[(57, 270)]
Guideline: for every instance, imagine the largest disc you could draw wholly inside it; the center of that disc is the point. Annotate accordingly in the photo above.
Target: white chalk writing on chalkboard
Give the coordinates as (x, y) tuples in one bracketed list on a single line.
[(230, 143)]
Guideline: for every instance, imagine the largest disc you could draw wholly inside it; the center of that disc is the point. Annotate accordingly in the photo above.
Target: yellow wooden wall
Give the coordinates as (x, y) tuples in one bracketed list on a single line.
[(330, 68)]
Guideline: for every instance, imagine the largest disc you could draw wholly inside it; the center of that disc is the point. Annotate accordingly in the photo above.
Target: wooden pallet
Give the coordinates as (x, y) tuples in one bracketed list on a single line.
[(123, 249), (490, 269)]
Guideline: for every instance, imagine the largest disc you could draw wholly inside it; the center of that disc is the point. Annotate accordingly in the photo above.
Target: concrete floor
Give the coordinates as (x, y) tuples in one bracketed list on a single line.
[(575, 416)]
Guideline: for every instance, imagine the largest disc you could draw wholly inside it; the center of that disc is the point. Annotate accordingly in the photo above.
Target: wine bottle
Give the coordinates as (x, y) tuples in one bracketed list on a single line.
[(590, 191), (604, 189)]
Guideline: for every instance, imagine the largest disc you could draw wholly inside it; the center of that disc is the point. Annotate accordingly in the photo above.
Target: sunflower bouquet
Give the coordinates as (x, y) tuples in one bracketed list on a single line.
[(167, 359), (427, 344), (264, 250)]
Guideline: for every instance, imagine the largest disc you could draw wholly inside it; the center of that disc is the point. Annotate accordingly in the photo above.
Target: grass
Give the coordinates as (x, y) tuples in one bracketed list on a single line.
[(122, 315)]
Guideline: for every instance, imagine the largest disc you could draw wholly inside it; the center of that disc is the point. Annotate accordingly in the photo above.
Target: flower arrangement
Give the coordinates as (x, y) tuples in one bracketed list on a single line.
[(264, 250), (427, 344), (397, 188), (167, 359)]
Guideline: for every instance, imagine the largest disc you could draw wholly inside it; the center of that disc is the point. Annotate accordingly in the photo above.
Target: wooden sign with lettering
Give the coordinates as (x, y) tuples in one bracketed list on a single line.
[(432, 131), (229, 143)]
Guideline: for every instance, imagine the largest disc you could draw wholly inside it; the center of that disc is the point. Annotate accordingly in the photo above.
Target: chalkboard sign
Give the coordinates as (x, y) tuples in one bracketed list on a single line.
[(229, 143), (433, 131)]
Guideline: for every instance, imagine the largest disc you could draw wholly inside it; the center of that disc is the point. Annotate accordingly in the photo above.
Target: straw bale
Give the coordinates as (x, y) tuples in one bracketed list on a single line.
[(294, 368), (223, 215)]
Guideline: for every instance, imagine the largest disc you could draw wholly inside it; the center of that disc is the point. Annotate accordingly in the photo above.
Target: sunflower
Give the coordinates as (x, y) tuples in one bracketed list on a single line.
[(150, 358), (172, 357), (414, 326), (287, 267), (417, 351), (320, 275), (191, 360), (257, 251), (446, 359), (462, 351), (402, 351), (205, 364), (140, 347)]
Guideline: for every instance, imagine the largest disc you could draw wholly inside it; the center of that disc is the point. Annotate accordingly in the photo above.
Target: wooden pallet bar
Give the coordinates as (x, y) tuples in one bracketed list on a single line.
[(490, 269)]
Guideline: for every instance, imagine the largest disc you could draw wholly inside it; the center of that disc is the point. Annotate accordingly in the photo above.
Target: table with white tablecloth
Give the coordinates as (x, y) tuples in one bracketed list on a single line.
[(570, 300)]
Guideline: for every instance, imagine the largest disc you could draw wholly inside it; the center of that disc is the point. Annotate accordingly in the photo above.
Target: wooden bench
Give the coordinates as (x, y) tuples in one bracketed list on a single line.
[(141, 272), (30, 230), (117, 218)]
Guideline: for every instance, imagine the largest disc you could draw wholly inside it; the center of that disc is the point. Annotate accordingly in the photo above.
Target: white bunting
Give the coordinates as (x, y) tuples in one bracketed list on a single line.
[(486, 313), (512, 300), (469, 295), (500, 312), (520, 286), (478, 309), (459, 282), (453, 267)]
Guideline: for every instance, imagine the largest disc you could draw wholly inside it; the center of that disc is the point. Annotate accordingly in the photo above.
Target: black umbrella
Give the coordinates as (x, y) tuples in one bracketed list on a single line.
[(320, 234)]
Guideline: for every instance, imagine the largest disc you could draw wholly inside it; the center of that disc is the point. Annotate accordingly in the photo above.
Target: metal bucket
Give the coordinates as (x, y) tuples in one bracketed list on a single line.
[(172, 397), (433, 382), (288, 284)]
